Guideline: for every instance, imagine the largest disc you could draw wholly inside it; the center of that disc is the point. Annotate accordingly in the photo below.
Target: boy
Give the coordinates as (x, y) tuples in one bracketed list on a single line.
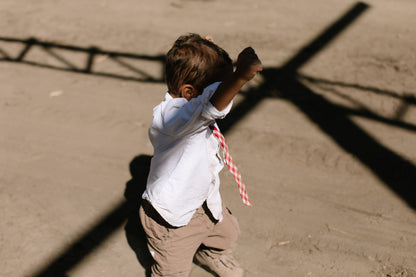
[(182, 212)]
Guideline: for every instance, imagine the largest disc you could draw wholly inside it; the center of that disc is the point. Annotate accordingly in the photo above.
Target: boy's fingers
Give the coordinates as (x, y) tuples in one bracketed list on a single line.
[(249, 49), (208, 37), (248, 57), (250, 53)]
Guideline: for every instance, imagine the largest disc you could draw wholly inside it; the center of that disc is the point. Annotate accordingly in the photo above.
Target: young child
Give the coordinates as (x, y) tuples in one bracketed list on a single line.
[(182, 212)]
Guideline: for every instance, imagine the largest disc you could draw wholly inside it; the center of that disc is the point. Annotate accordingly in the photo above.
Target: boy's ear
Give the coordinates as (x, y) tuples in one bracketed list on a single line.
[(188, 91)]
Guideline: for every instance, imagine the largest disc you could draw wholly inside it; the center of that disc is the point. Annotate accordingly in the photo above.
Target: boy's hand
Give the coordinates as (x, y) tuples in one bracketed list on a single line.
[(248, 64)]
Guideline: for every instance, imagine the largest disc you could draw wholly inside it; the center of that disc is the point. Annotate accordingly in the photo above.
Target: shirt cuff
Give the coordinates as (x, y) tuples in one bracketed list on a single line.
[(209, 111)]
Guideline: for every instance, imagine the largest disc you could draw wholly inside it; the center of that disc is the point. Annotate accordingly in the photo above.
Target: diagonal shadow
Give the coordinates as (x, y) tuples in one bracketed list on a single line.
[(396, 172), (290, 68), (85, 245), (407, 100), (91, 240), (365, 112), (393, 170)]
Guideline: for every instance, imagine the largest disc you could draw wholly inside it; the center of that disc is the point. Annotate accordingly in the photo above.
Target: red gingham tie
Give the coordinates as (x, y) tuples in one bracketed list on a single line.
[(231, 166)]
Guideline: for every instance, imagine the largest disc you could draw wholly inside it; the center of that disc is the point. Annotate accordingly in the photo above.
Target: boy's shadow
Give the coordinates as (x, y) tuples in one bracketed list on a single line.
[(136, 237)]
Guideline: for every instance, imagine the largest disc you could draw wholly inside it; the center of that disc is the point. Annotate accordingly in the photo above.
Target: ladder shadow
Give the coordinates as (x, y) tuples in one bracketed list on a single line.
[(91, 55)]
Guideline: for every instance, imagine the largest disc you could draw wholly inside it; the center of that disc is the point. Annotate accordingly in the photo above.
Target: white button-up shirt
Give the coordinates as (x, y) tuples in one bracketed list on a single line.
[(185, 164)]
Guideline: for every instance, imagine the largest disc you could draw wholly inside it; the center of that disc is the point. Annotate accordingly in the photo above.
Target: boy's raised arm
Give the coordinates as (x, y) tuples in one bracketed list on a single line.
[(248, 64)]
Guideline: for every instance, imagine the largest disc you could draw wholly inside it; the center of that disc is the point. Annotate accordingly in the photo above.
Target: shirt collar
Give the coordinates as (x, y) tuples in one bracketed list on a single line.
[(168, 96)]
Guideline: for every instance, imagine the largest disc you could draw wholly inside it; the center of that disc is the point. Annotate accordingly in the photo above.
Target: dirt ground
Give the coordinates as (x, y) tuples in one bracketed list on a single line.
[(325, 137)]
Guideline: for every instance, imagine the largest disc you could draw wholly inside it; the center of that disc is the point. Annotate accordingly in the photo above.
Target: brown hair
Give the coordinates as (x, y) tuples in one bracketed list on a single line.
[(196, 61)]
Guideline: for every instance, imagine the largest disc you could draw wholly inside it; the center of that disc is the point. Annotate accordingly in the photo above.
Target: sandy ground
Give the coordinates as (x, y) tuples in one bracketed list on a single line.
[(325, 137)]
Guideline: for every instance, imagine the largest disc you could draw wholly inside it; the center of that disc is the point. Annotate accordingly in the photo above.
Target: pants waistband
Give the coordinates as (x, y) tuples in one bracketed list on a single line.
[(152, 213)]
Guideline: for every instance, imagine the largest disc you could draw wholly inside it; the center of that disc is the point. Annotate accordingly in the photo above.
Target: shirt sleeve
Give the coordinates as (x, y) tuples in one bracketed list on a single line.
[(210, 112), (181, 117)]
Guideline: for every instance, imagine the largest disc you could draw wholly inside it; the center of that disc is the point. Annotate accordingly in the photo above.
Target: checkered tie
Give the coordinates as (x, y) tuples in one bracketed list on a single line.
[(231, 166)]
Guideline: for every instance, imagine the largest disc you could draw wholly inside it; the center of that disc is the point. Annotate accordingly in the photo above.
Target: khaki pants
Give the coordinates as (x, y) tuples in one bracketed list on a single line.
[(173, 248)]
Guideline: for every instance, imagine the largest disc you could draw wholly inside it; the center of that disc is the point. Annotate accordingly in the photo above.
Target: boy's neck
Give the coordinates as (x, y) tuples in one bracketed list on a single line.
[(174, 95)]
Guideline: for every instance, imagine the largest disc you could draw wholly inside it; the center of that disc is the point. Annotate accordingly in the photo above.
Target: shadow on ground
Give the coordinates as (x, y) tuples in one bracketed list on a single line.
[(284, 82), (136, 237), (91, 240)]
